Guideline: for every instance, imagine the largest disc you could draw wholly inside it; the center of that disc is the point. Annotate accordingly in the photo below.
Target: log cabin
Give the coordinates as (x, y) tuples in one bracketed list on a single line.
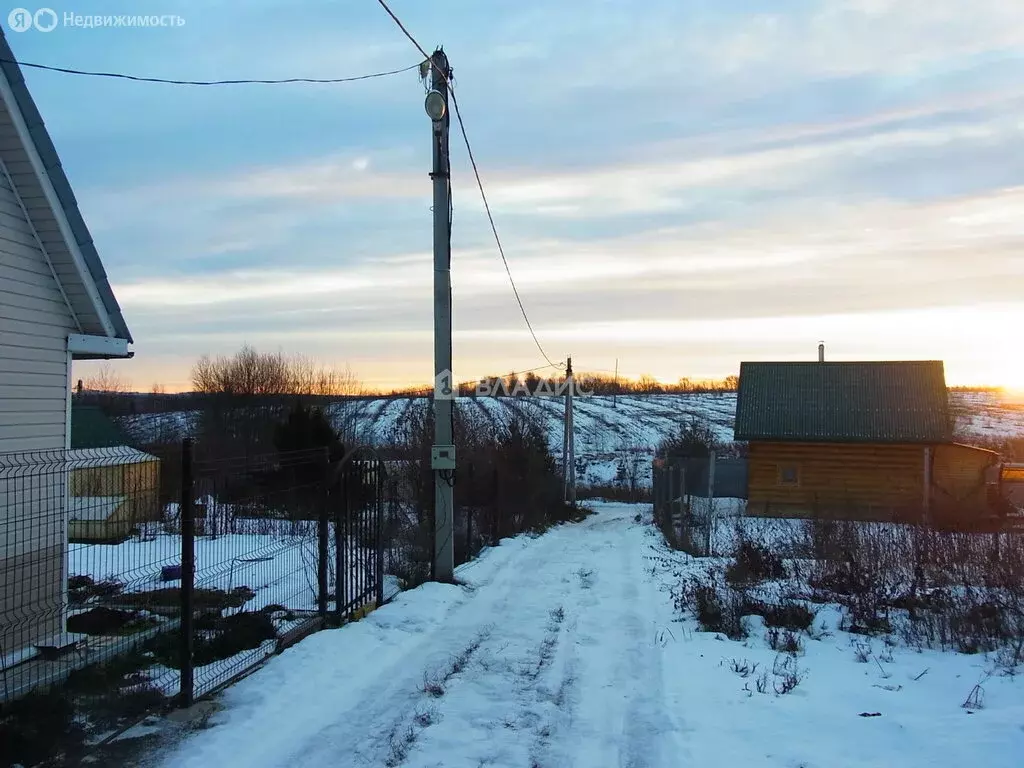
[(856, 440)]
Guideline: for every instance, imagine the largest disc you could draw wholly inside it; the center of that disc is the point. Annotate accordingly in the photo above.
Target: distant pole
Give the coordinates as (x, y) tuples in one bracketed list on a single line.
[(711, 504), (615, 392), (570, 470), (443, 455), (565, 441)]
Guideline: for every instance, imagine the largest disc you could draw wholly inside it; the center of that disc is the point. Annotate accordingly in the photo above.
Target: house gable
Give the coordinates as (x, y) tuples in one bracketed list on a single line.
[(30, 167)]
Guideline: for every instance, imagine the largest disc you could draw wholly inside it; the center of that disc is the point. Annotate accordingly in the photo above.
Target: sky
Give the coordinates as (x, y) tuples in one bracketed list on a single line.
[(679, 185)]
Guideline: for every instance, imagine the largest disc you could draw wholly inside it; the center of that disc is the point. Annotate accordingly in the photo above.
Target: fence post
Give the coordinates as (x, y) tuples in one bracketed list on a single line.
[(323, 542), (711, 505), (495, 508), (188, 574), (379, 509), (469, 517), (659, 497), (340, 524)]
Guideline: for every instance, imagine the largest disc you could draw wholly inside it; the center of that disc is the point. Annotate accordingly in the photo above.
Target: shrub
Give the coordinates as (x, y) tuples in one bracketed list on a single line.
[(695, 437), (839, 579), (40, 729), (754, 563), (789, 615), (783, 641), (866, 617), (743, 668), (718, 610), (787, 674), (218, 638)]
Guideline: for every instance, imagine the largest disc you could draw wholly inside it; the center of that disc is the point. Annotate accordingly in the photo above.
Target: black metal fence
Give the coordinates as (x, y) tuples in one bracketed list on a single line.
[(122, 597)]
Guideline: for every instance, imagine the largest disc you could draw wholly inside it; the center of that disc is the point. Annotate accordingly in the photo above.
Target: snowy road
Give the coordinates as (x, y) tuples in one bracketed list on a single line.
[(548, 656), (561, 651)]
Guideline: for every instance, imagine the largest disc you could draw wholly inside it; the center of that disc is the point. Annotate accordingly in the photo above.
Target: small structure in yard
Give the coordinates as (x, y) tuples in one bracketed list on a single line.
[(857, 440), (112, 488), (111, 491)]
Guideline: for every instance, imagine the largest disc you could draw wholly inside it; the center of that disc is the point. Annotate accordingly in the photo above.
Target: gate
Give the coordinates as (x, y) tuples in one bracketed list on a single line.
[(356, 509)]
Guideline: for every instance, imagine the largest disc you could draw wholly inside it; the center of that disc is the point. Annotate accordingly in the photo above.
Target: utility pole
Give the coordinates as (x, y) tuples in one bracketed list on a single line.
[(569, 441), (615, 392), (565, 443), (442, 455)]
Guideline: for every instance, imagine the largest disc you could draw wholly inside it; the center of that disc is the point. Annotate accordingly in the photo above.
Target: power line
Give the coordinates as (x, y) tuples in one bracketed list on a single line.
[(494, 230), (511, 373), (408, 34), (479, 182), (457, 384), (168, 81)]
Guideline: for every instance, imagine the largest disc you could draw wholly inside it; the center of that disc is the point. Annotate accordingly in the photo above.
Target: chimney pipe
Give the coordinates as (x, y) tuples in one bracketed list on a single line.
[(821, 351)]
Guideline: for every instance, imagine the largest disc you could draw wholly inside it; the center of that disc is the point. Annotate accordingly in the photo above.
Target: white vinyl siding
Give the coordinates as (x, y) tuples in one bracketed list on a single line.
[(17, 238), (34, 324)]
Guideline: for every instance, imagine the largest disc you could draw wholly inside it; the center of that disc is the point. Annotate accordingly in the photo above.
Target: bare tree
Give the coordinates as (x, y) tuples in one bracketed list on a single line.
[(249, 372), (106, 379), (632, 458), (308, 377), (649, 385)]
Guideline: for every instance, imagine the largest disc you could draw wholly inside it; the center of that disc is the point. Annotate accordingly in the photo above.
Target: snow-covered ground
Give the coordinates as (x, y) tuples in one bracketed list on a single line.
[(566, 650), (275, 559), (989, 414)]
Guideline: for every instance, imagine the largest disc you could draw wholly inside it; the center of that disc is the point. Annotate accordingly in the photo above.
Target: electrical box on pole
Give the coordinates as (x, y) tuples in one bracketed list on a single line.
[(442, 457)]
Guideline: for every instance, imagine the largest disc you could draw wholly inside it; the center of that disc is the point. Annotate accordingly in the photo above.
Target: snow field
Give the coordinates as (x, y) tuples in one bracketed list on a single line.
[(606, 428)]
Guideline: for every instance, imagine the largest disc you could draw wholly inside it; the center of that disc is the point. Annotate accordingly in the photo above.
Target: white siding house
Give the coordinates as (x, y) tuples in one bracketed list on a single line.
[(56, 306)]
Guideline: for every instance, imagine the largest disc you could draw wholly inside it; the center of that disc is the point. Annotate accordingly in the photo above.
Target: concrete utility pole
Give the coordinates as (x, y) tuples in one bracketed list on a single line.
[(569, 442), (615, 391), (442, 455)]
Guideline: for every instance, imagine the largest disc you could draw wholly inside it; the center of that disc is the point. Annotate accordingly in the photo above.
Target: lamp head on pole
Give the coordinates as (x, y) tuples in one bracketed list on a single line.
[(435, 105)]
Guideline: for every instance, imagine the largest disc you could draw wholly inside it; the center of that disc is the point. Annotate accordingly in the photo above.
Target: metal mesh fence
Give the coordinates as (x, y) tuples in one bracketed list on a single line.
[(82, 555), (123, 594)]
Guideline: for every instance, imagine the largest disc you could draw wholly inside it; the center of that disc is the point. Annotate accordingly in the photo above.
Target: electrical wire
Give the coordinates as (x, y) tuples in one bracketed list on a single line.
[(168, 81), (494, 230), (476, 173), (408, 34), (511, 373)]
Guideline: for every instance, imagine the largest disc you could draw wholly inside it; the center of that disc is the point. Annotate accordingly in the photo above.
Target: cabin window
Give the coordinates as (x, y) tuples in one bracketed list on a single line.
[(788, 474)]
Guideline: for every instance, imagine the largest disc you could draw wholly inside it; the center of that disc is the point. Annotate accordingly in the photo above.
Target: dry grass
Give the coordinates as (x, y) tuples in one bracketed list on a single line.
[(925, 588)]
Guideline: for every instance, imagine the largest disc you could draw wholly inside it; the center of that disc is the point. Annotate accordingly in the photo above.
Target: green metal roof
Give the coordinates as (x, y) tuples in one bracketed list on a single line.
[(90, 428), (878, 402)]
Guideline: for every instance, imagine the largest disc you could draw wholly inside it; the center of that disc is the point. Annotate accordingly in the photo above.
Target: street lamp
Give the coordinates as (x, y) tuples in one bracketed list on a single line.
[(435, 106)]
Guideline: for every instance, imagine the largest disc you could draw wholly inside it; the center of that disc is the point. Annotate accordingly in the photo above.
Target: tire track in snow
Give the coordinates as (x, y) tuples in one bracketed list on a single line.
[(363, 733)]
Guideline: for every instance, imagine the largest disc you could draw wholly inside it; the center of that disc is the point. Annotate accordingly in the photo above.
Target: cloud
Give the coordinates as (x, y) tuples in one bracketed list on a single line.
[(731, 166)]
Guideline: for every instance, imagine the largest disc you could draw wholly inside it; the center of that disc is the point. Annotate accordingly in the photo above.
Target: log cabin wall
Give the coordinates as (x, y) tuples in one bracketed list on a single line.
[(849, 480)]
